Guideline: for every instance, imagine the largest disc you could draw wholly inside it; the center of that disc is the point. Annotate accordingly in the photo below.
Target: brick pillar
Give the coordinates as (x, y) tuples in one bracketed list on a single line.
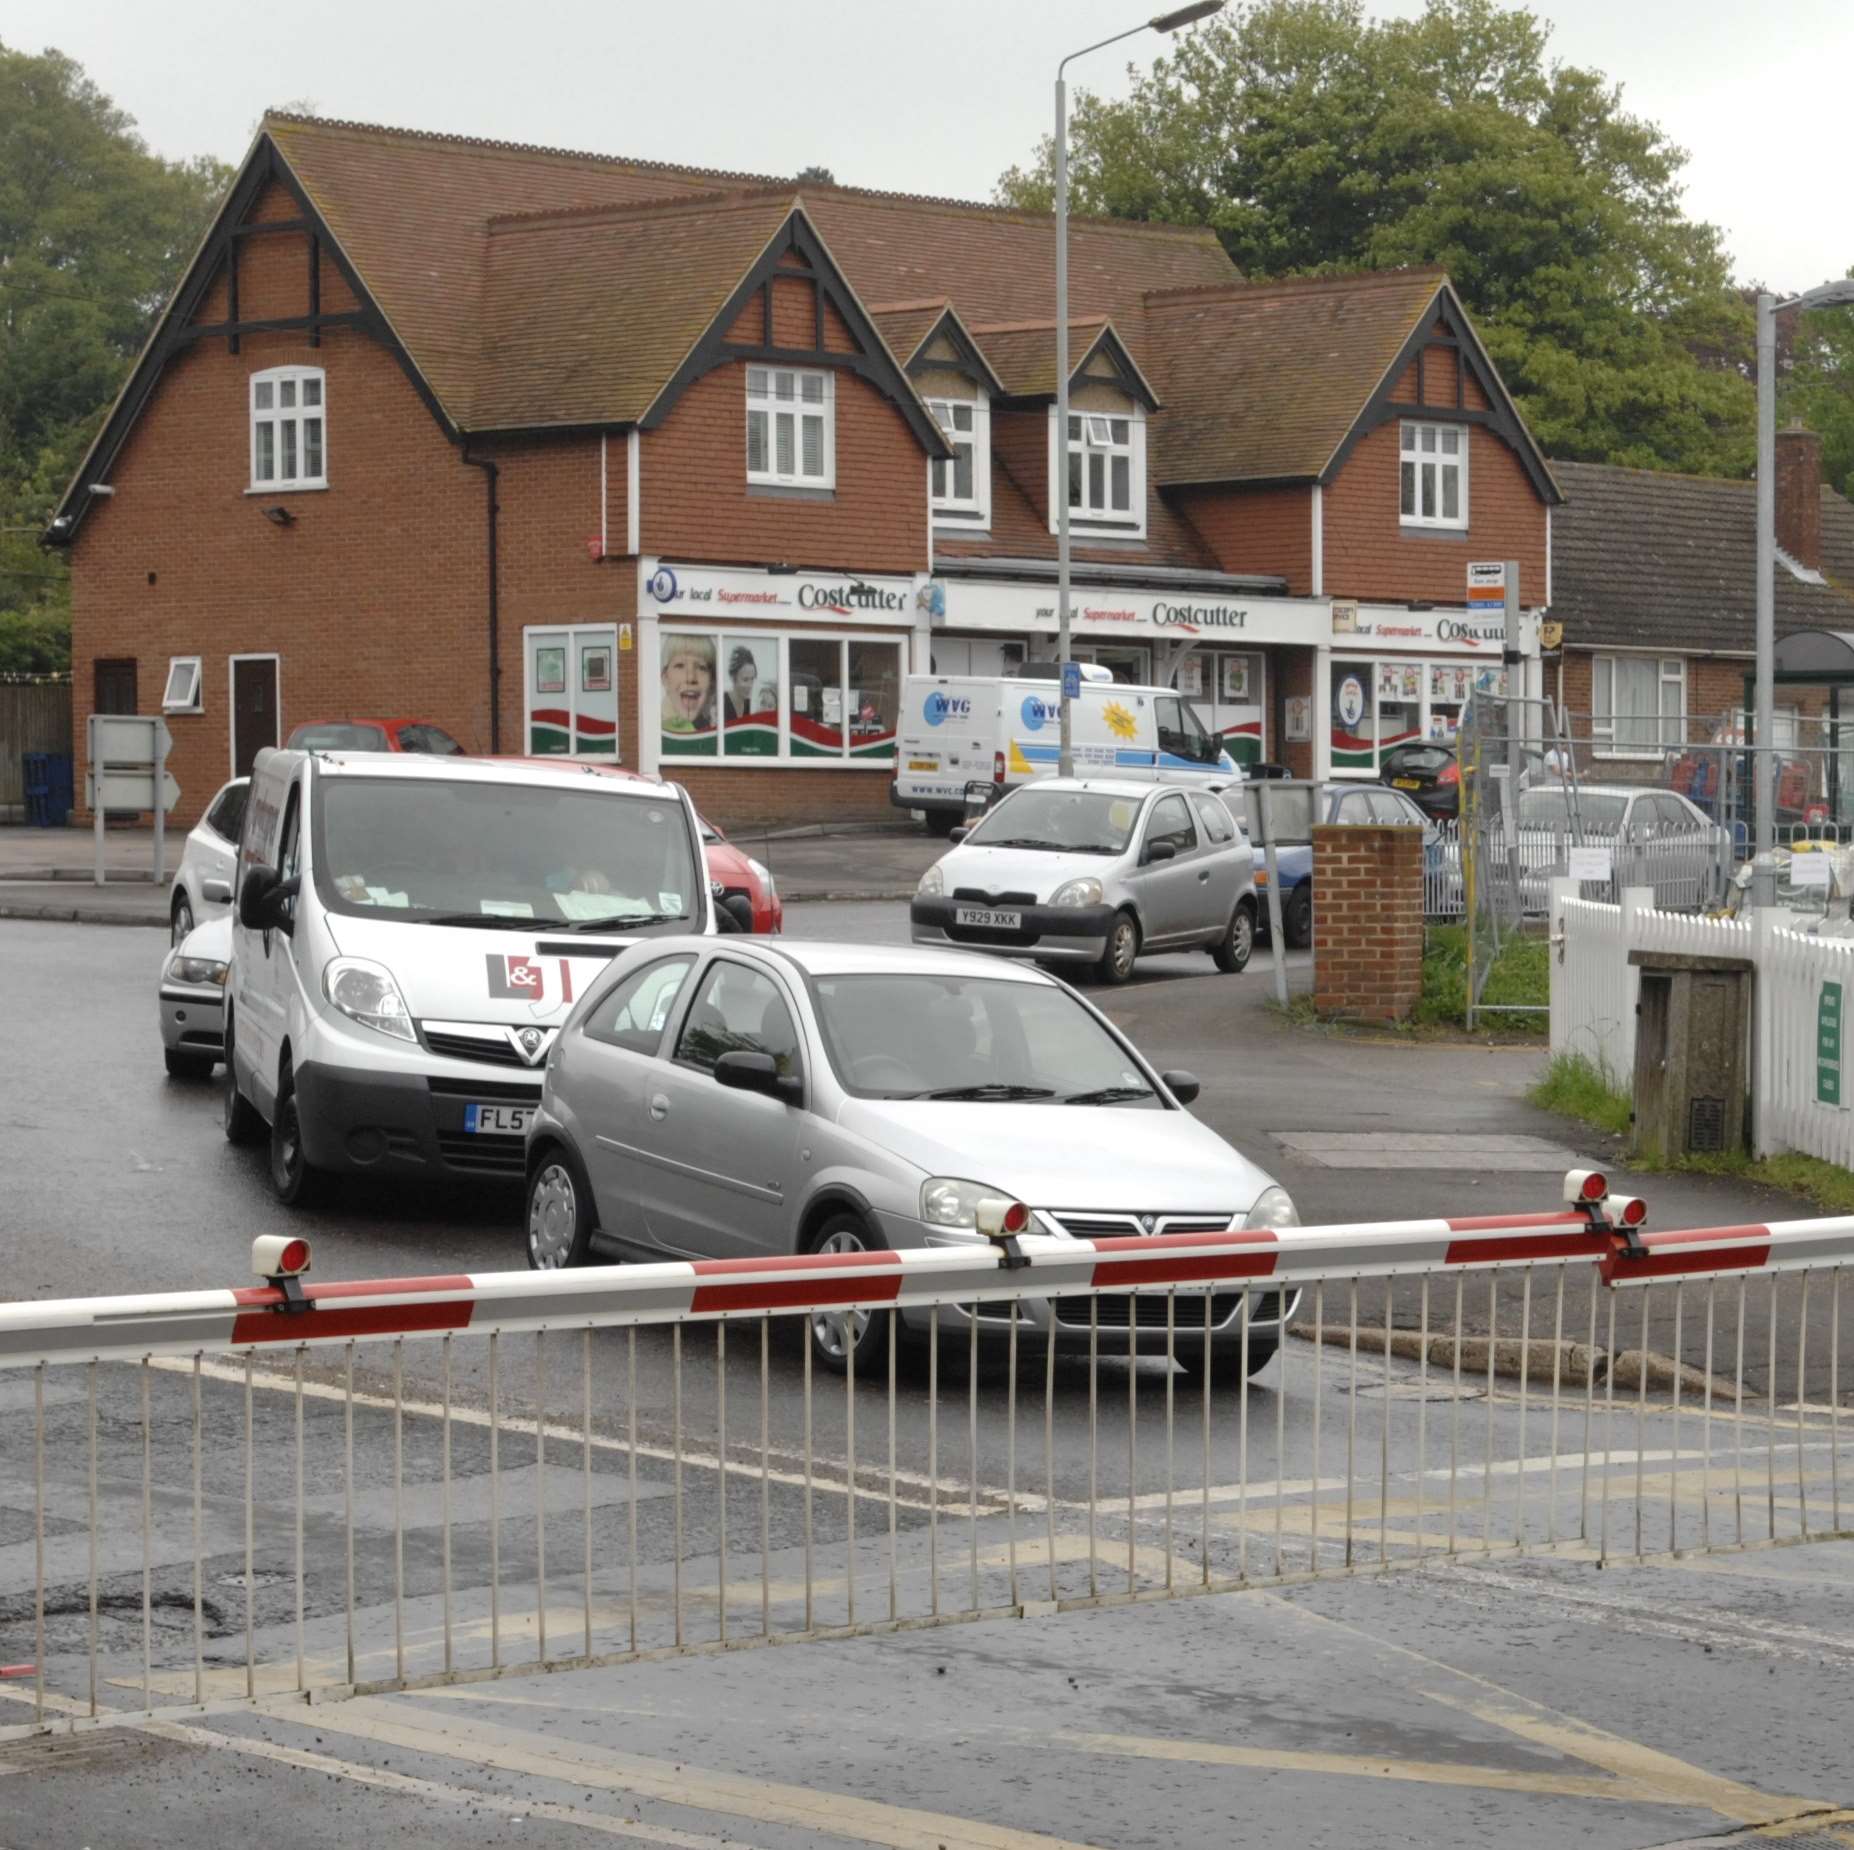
[(1367, 922)]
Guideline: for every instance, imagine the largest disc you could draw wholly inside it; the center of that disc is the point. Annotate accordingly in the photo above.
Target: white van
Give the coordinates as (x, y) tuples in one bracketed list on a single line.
[(411, 932), (1001, 731)]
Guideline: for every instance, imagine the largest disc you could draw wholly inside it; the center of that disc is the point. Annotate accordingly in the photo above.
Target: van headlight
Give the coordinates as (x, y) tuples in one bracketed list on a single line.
[(365, 992), (1274, 1207), (1083, 892), (933, 883), (950, 1201)]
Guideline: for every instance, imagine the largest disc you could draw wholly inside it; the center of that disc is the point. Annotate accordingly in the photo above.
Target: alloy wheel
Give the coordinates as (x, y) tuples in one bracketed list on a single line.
[(553, 1214), (837, 1332), (183, 919), (1124, 946)]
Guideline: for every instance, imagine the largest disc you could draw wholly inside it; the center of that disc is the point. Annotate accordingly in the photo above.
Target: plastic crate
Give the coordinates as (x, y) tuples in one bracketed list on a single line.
[(48, 783)]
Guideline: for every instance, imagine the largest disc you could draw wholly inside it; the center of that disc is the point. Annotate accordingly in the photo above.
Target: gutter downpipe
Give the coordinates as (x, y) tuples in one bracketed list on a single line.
[(491, 477)]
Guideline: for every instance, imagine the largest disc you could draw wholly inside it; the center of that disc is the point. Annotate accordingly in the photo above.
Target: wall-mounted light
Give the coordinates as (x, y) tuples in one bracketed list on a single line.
[(280, 517), (101, 488)]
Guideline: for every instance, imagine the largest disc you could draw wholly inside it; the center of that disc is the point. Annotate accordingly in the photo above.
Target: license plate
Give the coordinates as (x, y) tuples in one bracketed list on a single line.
[(987, 918), (923, 764), (1406, 783), (498, 1120)]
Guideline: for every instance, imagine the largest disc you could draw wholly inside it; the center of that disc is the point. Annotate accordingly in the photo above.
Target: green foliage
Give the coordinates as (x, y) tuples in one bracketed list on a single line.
[(94, 230), (1316, 139), (1578, 1088), (1521, 975), (1818, 387)]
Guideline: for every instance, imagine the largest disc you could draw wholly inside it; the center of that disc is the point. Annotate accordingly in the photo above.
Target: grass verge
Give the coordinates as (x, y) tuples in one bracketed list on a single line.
[(1521, 974), (1574, 1087)]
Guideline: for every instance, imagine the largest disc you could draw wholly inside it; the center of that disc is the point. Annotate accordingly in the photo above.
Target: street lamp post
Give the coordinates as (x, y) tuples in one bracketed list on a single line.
[(1164, 22), (1764, 720)]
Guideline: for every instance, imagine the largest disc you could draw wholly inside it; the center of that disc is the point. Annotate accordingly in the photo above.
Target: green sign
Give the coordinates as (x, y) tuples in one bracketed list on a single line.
[(1828, 1046)]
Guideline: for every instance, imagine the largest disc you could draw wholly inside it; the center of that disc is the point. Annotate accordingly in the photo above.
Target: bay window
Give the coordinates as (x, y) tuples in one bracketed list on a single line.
[(1434, 475), (1637, 704)]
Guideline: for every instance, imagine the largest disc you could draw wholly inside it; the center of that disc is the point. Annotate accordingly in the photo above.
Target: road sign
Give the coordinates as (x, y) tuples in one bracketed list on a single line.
[(1487, 585), (1828, 1046), (1071, 680), (128, 771)]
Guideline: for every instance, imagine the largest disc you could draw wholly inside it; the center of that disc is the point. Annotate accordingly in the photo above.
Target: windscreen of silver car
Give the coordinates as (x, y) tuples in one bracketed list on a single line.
[(1059, 822), (503, 855), (903, 1035), (1551, 809)]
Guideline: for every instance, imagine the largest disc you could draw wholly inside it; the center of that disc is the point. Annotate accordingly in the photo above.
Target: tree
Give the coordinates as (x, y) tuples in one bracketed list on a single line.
[(94, 230), (1815, 354), (816, 176), (1315, 139)]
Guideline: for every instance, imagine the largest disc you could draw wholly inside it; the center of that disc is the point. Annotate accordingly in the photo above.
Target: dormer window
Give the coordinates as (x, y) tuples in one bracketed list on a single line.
[(288, 428), (1106, 470), (961, 485)]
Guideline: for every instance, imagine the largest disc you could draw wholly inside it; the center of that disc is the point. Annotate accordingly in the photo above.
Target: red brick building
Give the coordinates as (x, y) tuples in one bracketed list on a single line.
[(582, 455)]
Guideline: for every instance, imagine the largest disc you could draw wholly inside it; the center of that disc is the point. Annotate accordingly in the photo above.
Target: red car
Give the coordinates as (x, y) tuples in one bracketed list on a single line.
[(373, 735), (742, 884)]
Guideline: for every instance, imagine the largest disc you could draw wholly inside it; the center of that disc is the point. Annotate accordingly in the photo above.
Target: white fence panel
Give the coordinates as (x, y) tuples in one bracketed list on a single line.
[(1793, 971)]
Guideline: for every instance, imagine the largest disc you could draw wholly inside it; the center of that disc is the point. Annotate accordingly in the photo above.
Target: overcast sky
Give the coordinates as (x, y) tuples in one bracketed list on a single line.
[(938, 98)]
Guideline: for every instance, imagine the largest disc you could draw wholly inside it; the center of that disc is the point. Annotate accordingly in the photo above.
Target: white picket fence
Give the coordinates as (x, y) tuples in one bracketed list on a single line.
[(1594, 989)]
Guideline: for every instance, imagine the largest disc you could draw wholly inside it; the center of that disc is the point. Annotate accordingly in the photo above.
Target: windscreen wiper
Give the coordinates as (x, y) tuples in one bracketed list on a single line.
[(992, 1090), (482, 921), (1109, 1095), (1025, 841), (623, 921)]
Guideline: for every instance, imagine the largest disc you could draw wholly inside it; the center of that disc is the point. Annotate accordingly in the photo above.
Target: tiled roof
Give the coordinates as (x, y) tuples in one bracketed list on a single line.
[(1646, 560), (586, 316), (1023, 353), (1263, 381), (905, 325)]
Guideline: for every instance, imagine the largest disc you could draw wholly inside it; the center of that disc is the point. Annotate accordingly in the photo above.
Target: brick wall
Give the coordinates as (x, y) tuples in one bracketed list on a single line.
[(1256, 530), (1371, 555), (1367, 922), (1293, 675)]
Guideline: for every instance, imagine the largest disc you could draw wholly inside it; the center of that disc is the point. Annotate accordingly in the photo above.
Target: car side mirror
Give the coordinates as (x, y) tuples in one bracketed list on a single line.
[(1160, 851), (262, 896), (741, 1071), (216, 892), (1184, 1087), (959, 831)]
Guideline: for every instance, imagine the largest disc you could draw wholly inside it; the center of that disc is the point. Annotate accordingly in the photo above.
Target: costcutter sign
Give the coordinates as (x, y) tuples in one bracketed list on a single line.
[(706, 593)]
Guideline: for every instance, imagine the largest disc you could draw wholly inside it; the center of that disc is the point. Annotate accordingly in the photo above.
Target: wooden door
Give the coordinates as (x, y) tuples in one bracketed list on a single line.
[(254, 710), (114, 686)]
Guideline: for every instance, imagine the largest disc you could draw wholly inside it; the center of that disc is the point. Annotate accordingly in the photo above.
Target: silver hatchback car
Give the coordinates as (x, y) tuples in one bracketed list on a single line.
[(1093, 871), (732, 1098)]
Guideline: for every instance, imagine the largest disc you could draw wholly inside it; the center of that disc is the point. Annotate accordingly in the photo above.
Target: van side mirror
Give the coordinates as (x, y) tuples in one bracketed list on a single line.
[(1160, 851), (263, 896), (216, 892), (1184, 1087), (959, 831), (741, 1071)]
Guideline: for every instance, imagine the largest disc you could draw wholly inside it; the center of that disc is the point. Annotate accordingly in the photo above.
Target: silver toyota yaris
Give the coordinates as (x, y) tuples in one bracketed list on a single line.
[(738, 1097)]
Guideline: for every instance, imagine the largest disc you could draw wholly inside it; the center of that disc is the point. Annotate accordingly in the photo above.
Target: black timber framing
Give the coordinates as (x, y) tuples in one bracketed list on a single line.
[(1500, 417), (176, 330), (870, 362), (968, 360)]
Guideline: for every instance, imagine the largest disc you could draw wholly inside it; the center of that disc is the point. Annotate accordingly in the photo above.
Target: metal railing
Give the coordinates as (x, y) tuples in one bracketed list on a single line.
[(1686, 871), (409, 1482)]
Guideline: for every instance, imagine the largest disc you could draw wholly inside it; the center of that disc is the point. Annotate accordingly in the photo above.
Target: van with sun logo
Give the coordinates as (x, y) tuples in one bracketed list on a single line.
[(964, 740)]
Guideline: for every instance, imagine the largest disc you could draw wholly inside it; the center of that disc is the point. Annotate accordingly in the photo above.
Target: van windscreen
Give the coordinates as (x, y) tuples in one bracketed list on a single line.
[(425, 848)]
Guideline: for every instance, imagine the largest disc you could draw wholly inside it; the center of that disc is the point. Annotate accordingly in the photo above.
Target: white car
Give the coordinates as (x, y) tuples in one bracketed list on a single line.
[(1094, 871), (192, 998), (209, 862)]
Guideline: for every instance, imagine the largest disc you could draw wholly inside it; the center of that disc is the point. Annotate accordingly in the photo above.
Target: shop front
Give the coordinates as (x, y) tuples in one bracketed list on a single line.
[(758, 672)]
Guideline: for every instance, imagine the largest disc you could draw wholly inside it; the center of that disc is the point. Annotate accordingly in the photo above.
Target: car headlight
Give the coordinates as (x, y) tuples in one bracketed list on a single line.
[(200, 970), (1274, 1207), (763, 874), (933, 883), (1083, 892), (365, 992), (949, 1201)]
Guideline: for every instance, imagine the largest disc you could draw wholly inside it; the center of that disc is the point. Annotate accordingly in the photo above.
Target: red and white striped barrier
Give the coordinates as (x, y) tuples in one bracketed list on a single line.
[(1776, 1246)]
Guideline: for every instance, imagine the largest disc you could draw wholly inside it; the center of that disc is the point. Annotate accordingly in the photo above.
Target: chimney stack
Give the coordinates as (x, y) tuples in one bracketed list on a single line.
[(1799, 495)]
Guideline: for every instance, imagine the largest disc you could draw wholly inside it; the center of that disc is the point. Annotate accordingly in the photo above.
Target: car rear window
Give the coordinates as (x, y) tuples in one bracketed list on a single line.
[(339, 737)]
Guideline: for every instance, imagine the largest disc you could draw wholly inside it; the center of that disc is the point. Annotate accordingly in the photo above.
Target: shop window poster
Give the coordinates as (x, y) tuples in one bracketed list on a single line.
[(595, 668), (687, 672), (1190, 678), (550, 671), (1236, 678), (750, 696)]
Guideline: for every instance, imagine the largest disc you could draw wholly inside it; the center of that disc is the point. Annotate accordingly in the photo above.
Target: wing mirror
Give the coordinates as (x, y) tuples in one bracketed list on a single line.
[(1184, 1087), (740, 1071), (1160, 851), (959, 831), (216, 892), (264, 897)]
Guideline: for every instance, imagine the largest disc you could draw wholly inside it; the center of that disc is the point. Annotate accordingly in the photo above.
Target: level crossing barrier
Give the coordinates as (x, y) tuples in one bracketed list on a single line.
[(297, 1491)]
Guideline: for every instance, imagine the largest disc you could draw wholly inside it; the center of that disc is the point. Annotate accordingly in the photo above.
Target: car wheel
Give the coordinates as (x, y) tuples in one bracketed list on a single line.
[(187, 1065), (1297, 918), (833, 1334), (182, 921), (294, 1180), (1228, 1362), (1231, 952), (242, 1123), (559, 1213), (1117, 960)]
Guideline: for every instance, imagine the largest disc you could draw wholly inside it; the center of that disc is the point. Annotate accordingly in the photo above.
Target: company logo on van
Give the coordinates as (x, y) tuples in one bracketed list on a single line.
[(1038, 712), (942, 707)]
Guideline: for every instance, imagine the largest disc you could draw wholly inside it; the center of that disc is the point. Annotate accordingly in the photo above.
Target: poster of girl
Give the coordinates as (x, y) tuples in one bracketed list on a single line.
[(688, 689)]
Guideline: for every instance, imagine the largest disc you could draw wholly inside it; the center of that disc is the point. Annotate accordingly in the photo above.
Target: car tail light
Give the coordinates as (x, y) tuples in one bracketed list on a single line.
[(1450, 773), (997, 768)]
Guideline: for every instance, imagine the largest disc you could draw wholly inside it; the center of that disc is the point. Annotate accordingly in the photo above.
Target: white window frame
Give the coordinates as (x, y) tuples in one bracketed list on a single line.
[(276, 417), (766, 404), (1669, 676), (1096, 436), (195, 686), (1413, 457), (953, 510)]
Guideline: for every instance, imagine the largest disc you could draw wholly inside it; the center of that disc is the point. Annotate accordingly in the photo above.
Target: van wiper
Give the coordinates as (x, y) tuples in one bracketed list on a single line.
[(1026, 841), (990, 1091), (482, 921), (623, 921), (1108, 1095)]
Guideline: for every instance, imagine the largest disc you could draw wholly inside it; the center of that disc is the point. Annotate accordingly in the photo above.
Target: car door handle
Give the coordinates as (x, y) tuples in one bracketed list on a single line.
[(659, 1106), (1205, 875)]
